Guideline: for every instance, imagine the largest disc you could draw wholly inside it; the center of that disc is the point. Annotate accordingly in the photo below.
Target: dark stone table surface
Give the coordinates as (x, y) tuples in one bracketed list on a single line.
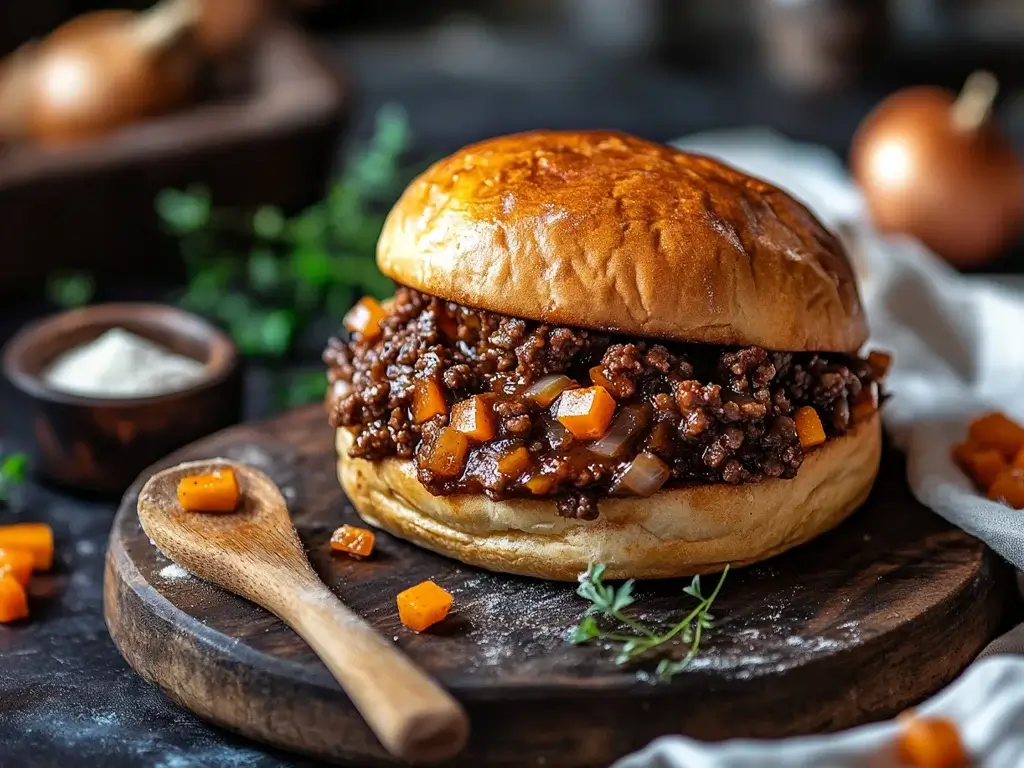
[(66, 696)]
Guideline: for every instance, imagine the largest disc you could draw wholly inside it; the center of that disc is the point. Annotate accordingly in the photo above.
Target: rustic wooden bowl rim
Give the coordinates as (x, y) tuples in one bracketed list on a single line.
[(221, 354)]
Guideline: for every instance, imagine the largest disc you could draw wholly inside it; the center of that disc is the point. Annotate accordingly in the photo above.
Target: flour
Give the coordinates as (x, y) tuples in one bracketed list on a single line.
[(173, 572), (123, 365)]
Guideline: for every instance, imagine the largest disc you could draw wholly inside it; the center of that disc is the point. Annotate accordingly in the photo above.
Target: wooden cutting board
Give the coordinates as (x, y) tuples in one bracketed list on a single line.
[(853, 627)]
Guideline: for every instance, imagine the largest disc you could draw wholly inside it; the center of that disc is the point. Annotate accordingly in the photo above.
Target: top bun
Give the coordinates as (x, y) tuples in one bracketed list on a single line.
[(607, 231)]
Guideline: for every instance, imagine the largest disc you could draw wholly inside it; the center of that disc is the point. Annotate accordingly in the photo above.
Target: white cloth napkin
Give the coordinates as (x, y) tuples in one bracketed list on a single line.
[(958, 348)]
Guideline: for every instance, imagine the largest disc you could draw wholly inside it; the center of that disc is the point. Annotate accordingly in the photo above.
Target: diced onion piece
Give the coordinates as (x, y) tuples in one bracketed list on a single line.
[(365, 317), (539, 485), (808, 427), (644, 475), (474, 417), (514, 463), (353, 540), (427, 400), (626, 425), (994, 430), (880, 362), (558, 436), (423, 605), (544, 391), (586, 412), (446, 456), (866, 403)]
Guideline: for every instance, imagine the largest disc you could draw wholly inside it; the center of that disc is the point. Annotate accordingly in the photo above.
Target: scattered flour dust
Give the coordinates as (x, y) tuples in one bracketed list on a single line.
[(173, 572)]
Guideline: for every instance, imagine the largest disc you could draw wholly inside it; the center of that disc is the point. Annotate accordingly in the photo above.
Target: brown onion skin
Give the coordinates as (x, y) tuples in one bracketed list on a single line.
[(961, 192), (120, 82)]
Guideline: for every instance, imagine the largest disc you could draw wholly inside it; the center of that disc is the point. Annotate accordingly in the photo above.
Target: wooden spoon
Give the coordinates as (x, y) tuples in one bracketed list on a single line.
[(256, 553)]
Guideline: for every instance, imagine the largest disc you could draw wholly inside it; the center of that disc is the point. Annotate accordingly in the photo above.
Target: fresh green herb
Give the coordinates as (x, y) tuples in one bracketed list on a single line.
[(13, 469), (610, 602), (70, 289), (267, 277)]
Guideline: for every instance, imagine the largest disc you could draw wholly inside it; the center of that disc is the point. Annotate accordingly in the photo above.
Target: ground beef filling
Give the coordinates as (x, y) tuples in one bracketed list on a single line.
[(710, 414)]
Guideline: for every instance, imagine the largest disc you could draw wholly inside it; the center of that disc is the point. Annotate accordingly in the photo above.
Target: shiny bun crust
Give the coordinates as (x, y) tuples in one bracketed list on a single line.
[(676, 532), (604, 230)]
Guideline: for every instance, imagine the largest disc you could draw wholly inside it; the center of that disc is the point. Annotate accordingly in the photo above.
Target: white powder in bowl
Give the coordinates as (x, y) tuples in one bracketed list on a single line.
[(123, 365)]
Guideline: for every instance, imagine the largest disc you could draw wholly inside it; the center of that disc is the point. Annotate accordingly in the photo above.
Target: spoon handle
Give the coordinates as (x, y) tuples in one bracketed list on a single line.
[(412, 716)]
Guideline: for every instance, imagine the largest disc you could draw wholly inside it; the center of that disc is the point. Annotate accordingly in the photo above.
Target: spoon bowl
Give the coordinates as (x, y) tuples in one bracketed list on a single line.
[(256, 553)]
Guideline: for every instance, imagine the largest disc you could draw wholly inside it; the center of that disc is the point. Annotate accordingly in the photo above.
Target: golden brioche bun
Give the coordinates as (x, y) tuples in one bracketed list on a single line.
[(676, 532), (607, 231)]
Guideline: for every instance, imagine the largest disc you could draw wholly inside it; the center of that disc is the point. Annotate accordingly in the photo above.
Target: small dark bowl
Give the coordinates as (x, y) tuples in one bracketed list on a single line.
[(101, 445)]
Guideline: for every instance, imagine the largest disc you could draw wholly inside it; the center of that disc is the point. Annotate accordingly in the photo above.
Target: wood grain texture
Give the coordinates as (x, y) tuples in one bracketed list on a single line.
[(853, 627), (256, 553)]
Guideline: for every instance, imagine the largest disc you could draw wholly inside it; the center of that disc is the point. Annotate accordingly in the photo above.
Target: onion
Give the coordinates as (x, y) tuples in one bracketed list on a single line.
[(626, 426), (645, 475), (558, 435), (547, 388)]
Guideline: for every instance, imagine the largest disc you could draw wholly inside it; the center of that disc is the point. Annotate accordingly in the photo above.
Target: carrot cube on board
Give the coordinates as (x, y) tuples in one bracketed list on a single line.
[(423, 605), (216, 491), (447, 455), (1018, 460), (36, 538), (994, 430), (356, 541), (931, 742), (586, 412), (808, 427), (427, 400), (474, 417), (17, 563), (13, 600), (962, 452), (364, 318), (1008, 488), (985, 466)]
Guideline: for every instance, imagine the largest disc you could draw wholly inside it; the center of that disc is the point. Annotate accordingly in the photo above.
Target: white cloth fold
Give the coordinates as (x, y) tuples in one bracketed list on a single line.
[(958, 349)]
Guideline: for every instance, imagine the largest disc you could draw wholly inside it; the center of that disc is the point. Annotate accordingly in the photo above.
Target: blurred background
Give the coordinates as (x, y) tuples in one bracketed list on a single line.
[(254, 195)]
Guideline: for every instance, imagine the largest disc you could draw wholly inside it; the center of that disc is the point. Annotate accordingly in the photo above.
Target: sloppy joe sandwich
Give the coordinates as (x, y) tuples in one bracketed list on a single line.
[(603, 349)]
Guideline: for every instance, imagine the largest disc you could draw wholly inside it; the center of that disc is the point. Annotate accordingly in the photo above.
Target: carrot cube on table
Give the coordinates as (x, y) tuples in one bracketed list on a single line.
[(17, 563), (1008, 488), (985, 466), (216, 491), (13, 600), (36, 538), (931, 742), (423, 605), (353, 540)]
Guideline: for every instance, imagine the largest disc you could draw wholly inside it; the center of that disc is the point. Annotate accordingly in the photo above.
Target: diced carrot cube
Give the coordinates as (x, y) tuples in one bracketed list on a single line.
[(865, 404), (931, 742), (356, 541), (515, 462), (985, 466), (17, 563), (586, 412), (36, 538), (424, 605), (880, 362), (1008, 488), (808, 427), (13, 600), (427, 400), (474, 417), (365, 317), (962, 452), (215, 491), (447, 455), (1018, 460), (994, 430), (597, 376), (539, 485)]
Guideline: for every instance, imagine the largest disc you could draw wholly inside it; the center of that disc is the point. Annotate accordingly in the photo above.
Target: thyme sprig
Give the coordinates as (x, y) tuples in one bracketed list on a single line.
[(13, 470), (610, 602)]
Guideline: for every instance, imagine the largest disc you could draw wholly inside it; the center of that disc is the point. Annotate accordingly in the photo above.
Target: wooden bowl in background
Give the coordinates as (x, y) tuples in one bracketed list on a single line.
[(102, 444)]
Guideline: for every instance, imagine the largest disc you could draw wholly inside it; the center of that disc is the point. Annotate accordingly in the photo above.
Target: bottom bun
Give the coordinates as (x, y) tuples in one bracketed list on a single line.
[(676, 532)]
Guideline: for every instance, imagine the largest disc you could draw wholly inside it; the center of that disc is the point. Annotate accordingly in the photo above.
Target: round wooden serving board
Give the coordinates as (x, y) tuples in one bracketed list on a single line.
[(853, 627)]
